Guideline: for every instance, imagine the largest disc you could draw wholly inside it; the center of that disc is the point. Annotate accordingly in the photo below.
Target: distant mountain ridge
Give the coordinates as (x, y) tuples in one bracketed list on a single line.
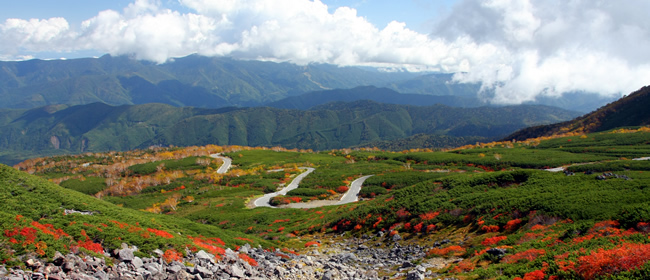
[(631, 110), (189, 81), (215, 82), (100, 127), (381, 95)]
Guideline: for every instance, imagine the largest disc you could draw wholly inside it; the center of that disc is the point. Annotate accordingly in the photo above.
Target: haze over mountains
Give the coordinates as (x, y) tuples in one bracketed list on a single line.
[(220, 82)]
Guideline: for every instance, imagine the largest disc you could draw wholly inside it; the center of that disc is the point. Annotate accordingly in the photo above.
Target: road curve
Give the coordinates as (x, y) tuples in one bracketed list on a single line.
[(264, 200), (562, 168), (227, 162), (352, 194)]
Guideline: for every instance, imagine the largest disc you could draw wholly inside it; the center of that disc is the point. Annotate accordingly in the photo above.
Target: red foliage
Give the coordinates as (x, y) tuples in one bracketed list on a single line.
[(160, 233), (357, 227), (342, 189), (464, 266), (312, 243), (512, 225), (49, 229), (429, 216), (431, 228), (91, 246), (453, 250), (172, 255), (529, 236), (534, 275), (417, 228), (248, 259), (209, 244), (245, 239), (379, 219), (493, 228), (529, 255), (402, 213), (493, 240), (602, 262)]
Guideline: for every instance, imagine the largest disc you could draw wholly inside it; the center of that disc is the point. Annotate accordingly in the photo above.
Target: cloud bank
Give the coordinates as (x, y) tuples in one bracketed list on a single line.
[(517, 49)]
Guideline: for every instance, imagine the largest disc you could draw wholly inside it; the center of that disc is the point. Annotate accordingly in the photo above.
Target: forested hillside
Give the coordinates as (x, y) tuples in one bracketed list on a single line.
[(100, 127)]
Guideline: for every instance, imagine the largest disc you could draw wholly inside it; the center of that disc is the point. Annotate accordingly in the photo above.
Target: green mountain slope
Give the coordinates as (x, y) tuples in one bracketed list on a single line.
[(100, 127), (631, 110)]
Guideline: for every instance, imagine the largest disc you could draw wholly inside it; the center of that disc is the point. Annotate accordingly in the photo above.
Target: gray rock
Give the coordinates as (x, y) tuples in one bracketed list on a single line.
[(175, 268), (101, 275), (153, 268), (498, 252), (204, 272), (202, 255), (158, 252), (137, 262), (245, 249), (407, 264), (397, 237), (328, 275), (279, 271), (236, 271), (125, 254), (415, 275)]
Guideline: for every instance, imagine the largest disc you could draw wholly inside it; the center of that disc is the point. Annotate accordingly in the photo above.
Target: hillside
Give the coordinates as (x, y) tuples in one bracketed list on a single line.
[(99, 127), (381, 95), (631, 110), (485, 211)]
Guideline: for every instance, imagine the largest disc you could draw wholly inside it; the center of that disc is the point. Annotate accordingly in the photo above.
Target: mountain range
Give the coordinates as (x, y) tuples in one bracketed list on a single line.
[(221, 82), (58, 129)]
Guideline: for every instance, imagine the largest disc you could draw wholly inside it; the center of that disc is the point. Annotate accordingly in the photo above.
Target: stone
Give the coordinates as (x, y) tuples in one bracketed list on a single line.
[(236, 271), (414, 275), (498, 252), (279, 271), (202, 255), (174, 268), (58, 258), (204, 272), (125, 254), (101, 275), (328, 275), (137, 262), (397, 237)]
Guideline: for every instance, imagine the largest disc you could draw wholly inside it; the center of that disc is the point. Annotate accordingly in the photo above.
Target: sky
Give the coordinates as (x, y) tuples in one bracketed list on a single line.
[(517, 49)]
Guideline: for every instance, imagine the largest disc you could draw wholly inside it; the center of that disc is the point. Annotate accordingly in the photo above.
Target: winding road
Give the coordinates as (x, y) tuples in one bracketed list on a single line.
[(352, 194), (562, 168), (227, 163), (264, 200)]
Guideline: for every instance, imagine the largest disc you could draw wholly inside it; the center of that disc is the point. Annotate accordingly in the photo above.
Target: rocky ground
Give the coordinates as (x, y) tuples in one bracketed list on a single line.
[(356, 258)]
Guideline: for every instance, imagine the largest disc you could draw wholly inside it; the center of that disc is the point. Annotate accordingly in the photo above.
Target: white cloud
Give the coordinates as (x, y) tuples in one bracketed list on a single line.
[(518, 48)]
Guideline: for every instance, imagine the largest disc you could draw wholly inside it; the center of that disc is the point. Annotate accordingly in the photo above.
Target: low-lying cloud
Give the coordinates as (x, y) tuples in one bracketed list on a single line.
[(517, 49)]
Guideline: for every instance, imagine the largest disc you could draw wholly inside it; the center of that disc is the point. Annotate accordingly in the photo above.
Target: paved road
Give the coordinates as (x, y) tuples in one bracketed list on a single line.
[(352, 194), (562, 168), (264, 200), (227, 162)]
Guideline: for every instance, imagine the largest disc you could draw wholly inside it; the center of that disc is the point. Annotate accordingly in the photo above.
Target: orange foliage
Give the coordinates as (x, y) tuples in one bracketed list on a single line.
[(603, 262), (453, 250)]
